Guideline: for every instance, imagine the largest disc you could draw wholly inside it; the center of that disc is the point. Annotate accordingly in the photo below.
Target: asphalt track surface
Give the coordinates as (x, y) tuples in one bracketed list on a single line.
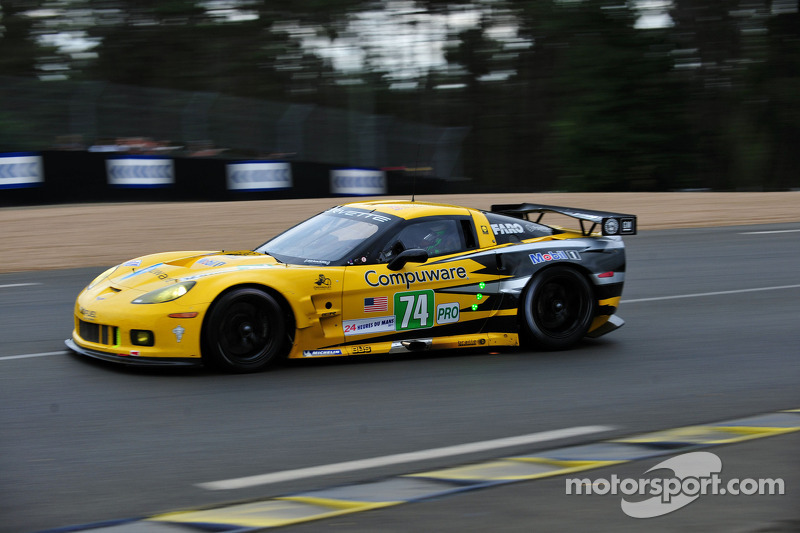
[(712, 333)]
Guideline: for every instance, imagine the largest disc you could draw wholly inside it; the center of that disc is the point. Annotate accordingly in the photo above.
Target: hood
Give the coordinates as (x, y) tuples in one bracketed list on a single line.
[(154, 271)]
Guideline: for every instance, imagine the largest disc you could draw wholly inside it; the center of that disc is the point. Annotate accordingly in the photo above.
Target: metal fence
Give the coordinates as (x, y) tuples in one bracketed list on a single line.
[(36, 115)]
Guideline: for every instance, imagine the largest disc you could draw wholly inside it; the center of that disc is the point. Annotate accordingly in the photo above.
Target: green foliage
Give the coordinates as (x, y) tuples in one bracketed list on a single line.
[(615, 119), (585, 101), (18, 51)]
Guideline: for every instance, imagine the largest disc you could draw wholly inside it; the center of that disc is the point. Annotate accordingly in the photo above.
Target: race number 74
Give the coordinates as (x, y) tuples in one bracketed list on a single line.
[(414, 309)]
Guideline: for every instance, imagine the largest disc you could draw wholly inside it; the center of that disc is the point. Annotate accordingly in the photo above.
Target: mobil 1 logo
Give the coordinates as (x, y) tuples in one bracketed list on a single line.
[(414, 310)]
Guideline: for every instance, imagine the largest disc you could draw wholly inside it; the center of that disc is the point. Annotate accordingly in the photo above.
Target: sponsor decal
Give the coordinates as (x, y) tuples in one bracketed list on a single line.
[(160, 274), (413, 310), (142, 271), (179, 331), (21, 170), (558, 255), (258, 175), (328, 314), (611, 226), (362, 259), (210, 262), (376, 305), (472, 342), (501, 229), (619, 226), (447, 313), (91, 315), (322, 282), (320, 353), (140, 172), (154, 270), (485, 230), (366, 215), (227, 270), (317, 262), (364, 326), (374, 279), (357, 181), (362, 349), (628, 225)]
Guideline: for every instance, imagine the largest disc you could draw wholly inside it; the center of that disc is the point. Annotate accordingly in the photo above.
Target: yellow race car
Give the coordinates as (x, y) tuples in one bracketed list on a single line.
[(365, 278)]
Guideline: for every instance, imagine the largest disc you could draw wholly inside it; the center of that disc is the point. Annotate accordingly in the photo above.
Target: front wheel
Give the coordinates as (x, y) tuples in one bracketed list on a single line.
[(558, 308), (245, 331)]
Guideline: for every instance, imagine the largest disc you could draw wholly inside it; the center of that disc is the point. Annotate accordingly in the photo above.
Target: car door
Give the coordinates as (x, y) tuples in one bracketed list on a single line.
[(412, 301)]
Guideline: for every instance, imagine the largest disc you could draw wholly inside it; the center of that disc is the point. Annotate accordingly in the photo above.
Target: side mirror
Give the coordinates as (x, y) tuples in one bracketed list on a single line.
[(413, 255)]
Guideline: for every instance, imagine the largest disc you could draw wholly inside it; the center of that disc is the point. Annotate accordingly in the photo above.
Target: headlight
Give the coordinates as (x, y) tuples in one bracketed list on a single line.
[(167, 294), (102, 276)]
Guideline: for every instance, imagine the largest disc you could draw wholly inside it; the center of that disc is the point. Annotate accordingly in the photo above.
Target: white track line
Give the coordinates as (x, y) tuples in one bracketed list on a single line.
[(361, 464), (718, 293), (30, 355), (772, 231), (18, 285)]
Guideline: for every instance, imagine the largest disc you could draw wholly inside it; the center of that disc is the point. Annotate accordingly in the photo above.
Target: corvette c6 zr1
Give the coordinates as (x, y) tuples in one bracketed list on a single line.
[(365, 278)]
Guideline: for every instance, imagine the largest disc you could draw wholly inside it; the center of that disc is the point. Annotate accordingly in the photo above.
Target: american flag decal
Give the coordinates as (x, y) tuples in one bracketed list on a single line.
[(373, 305)]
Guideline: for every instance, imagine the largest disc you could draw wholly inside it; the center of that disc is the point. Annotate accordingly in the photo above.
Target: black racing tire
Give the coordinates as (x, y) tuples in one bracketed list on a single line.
[(558, 308), (244, 331)]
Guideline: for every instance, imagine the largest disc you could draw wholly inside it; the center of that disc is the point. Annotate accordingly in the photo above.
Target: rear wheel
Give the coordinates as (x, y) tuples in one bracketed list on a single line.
[(558, 308), (245, 331)]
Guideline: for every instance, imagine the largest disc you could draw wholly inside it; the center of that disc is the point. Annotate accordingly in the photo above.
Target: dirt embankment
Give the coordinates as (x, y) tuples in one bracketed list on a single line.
[(52, 237)]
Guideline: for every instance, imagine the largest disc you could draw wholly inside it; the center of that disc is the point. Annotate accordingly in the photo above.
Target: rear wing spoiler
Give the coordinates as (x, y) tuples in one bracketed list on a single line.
[(610, 223)]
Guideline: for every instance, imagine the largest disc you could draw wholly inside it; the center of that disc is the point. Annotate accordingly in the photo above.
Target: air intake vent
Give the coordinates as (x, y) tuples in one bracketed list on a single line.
[(98, 333)]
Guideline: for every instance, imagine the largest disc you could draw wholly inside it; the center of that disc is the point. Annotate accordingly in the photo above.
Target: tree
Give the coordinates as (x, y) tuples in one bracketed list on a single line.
[(615, 119), (19, 50), (778, 83)]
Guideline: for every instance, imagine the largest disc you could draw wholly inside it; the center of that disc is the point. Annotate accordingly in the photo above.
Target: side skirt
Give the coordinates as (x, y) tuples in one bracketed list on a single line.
[(477, 340)]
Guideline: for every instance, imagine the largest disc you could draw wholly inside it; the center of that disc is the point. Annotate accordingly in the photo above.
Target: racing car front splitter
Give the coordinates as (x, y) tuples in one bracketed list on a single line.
[(130, 359)]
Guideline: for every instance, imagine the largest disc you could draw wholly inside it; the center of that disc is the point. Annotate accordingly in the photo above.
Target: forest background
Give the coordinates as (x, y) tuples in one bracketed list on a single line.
[(568, 95)]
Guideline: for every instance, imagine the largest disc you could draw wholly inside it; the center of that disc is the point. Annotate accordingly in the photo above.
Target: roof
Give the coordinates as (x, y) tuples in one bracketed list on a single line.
[(408, 209)]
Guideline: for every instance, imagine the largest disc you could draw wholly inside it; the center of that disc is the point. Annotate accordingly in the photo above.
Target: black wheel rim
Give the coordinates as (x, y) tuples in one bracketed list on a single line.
[(245, 335), (560, 307)]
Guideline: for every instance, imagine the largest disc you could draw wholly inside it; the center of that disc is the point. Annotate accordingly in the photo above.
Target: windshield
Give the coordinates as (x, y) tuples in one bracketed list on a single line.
[(328, 238)]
